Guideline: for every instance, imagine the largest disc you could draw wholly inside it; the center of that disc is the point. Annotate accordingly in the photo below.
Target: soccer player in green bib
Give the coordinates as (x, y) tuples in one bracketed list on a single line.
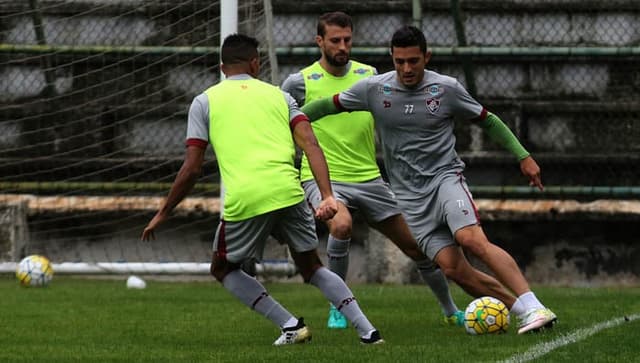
[(414, 111), (253, 128), (348, 142)]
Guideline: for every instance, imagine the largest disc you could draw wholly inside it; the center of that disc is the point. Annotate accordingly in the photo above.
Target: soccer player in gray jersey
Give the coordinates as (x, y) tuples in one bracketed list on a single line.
[(349, 148), (414, 111)]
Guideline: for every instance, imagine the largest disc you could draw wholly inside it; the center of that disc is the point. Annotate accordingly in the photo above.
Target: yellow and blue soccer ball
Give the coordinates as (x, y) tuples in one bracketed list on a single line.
[(486, 315), (34, 271)]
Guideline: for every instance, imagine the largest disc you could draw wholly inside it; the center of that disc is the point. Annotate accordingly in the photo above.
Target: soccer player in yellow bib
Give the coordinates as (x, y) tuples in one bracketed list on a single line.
[(253, 128), (348, 142)]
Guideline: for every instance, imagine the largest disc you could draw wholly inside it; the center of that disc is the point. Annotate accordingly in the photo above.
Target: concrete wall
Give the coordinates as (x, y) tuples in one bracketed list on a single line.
[(553, 242), (569, 253), (14, 231)]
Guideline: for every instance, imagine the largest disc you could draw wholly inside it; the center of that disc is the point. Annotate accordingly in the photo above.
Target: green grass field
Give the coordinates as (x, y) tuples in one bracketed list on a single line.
[(85, 320)]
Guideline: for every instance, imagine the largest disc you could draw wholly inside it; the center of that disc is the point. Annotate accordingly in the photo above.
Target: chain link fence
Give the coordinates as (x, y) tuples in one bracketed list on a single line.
[(98, 91)]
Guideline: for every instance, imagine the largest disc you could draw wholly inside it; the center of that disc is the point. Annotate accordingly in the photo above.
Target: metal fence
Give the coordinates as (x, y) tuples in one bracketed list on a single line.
[(94, 94)]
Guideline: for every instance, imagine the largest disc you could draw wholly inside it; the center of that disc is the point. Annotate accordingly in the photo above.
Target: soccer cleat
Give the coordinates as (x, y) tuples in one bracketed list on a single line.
[(294, 335), (336, 319), (552, 321), (455, 319), (537, 319), (374, 339)]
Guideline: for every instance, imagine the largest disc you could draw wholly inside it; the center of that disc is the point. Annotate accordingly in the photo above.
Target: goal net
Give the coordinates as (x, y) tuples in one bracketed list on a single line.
[(94, 96)]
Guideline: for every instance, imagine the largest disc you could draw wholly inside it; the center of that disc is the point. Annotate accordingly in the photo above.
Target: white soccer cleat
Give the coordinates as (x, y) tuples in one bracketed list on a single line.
[(537, 319), (294, 335)]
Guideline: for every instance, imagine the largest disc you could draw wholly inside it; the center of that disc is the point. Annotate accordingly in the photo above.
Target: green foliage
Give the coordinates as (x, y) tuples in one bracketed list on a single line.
[(90, 320)]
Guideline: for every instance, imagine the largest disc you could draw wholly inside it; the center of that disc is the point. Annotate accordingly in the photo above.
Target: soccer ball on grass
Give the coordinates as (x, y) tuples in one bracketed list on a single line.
[(34, 270), (486, 315)]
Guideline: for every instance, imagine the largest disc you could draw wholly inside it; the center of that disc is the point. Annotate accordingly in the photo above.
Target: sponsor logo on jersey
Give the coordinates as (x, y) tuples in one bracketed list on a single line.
[(385, 89), (434, 89), (315, 76), (386, 103), (433, 105), (361, 71)]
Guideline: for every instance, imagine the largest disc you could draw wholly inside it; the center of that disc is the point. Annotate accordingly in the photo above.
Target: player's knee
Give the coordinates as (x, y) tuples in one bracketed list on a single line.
[(479, 248), (455, 271), (425, 265), (341, 229), (216, 271), (450, 273), (308, 265), (220, 268), (414, 253), (473, 240), (341, 224), (307, 272)]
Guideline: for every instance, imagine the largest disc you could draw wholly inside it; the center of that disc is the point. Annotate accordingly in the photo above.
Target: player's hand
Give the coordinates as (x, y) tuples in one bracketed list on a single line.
[(531, 170), (327, 209), (148, 232)]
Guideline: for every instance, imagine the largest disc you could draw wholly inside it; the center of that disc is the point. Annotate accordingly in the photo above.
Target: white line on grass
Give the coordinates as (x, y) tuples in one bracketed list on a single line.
[(541, 349)]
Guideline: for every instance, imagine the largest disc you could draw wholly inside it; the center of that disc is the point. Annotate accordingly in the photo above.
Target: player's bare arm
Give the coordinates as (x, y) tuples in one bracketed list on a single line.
[(306, 140), (184, 182)]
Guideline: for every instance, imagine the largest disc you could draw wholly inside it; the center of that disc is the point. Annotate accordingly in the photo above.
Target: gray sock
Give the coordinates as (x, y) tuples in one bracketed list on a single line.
[(436, 280), (251, 293), (336, 291), (338, 255)]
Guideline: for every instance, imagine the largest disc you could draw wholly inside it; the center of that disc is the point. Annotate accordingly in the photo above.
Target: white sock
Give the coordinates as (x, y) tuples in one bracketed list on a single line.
[(530, 301), (293, 321), (518, 308), (368, 335)]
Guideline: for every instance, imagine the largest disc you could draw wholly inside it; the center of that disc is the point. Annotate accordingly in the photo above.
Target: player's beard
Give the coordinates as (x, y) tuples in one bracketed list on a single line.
[(338, 62)]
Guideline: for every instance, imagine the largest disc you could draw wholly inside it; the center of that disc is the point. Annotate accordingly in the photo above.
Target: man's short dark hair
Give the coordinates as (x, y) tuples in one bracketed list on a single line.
[(409, 36), (337, 18), (239, 48)]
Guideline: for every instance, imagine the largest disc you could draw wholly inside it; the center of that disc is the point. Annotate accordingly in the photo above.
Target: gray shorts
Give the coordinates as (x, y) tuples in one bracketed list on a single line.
[(373, 198), (241, 240), (435, 216)]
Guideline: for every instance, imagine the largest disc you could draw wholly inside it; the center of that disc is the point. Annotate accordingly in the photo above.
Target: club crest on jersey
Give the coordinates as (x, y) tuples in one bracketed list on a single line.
[(433, 105), (386, 104), (315, 76), (361, 71)]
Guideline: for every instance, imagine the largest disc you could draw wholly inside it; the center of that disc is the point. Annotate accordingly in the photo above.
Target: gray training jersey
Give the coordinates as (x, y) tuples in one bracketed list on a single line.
[(415, 126)]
